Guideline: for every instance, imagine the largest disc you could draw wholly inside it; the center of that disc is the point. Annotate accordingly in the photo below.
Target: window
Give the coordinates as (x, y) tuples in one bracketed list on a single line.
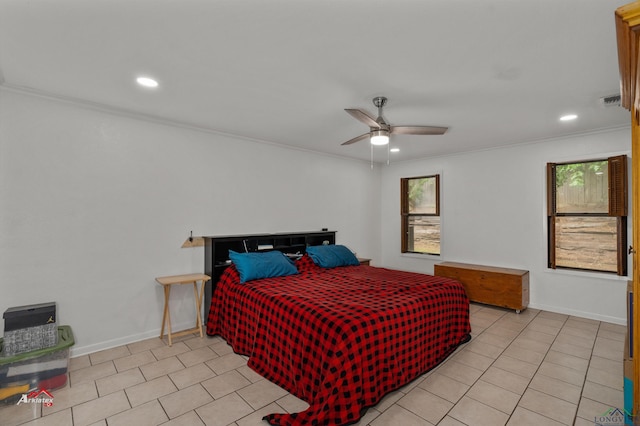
[(587, 215), (420, 210)]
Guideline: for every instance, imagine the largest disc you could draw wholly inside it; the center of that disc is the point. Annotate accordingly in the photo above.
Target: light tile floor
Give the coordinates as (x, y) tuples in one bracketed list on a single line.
[(534, 368)]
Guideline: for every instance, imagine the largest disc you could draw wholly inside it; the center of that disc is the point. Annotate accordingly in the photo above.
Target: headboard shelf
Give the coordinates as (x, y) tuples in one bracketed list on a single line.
[(216, 250)]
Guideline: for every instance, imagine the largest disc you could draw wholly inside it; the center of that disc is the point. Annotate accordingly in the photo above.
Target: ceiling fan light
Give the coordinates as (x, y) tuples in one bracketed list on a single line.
[(379, 137)]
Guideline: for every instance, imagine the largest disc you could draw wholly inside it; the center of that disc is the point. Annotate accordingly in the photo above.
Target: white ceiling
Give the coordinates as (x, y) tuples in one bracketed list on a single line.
[(496, 72)]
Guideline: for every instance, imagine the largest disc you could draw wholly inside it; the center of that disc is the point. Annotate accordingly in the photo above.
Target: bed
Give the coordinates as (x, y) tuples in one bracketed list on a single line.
[(339, 338)]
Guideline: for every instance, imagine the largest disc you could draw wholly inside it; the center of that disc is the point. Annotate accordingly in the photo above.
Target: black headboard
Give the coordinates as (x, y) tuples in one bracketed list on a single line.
[(216, 250)]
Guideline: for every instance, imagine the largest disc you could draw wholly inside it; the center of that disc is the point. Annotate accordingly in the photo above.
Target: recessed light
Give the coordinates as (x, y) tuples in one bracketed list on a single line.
[(568, 117), (147, 82), (395, 150)]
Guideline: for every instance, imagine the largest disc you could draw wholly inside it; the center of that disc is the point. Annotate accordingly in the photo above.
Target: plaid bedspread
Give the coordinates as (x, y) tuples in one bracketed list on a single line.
[(341, 338)]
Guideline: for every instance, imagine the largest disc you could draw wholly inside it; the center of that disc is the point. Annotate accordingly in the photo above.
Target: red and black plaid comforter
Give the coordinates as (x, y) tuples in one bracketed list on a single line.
[(341, 338)]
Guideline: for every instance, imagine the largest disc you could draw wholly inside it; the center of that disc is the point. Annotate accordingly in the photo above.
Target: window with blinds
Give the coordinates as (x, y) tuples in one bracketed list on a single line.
[(587, 215)]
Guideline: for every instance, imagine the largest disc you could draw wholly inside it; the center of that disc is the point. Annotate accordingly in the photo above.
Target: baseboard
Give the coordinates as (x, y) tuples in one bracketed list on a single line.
[(581, 314), (77, 351)]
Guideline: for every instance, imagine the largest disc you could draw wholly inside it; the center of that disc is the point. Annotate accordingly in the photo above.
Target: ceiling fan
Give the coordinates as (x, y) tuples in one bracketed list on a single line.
[(379, 130)]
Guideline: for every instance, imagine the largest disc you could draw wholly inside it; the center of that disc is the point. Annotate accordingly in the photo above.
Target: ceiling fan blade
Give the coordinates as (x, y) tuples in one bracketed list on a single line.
[(418, 130), (356, 139), (365, 118)]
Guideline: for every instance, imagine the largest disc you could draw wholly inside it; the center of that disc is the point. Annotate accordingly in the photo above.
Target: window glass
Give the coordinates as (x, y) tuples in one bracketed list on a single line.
[(582, 187), (420, 210), (424, 234), (587, 243), (422, 195)]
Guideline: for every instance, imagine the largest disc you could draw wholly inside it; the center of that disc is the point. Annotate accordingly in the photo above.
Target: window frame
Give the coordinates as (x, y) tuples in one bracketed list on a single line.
[(618, 208), (405, 215)]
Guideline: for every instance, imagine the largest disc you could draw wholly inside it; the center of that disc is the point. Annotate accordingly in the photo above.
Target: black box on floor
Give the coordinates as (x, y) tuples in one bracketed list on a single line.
[(29, 316)]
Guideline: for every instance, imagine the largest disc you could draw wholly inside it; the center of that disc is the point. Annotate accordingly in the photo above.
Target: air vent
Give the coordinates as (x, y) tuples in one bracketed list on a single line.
[(613, 100)]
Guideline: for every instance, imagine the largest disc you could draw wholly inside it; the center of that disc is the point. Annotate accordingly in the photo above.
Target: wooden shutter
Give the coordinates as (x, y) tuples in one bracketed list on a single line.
[(437, 195), (551, 215), (551, 189), (404, 213), (622, 245), (404, 196), (618, 194)]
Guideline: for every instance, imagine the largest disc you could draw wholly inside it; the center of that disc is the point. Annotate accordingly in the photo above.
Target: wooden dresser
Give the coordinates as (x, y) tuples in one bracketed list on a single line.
[(505, 287)]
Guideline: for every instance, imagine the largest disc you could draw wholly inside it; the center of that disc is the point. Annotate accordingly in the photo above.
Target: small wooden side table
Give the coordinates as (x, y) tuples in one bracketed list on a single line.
[(167, 282)]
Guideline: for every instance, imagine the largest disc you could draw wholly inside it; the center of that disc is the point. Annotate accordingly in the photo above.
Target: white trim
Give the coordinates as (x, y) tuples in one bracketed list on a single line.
[(77, 351), (425, 256), (588, 274), (523, 142), (581, 314), (122, 112)]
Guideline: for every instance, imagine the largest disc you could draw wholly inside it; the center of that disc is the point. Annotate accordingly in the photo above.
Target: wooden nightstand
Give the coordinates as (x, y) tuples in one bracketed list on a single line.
[(364, 261)]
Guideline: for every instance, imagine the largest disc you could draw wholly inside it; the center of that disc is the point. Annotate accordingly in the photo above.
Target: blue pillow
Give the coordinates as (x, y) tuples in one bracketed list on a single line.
[(253, 266), (330, 256)]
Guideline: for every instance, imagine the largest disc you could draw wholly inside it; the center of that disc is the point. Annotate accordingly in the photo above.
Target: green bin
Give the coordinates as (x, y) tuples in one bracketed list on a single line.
[(39, 370)]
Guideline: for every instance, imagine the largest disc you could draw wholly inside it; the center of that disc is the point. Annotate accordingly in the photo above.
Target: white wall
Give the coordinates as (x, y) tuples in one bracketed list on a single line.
[(94, 205), (493, 211)]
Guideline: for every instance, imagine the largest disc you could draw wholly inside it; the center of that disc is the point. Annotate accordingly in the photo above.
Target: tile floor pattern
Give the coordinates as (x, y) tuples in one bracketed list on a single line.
[(534, 368)]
